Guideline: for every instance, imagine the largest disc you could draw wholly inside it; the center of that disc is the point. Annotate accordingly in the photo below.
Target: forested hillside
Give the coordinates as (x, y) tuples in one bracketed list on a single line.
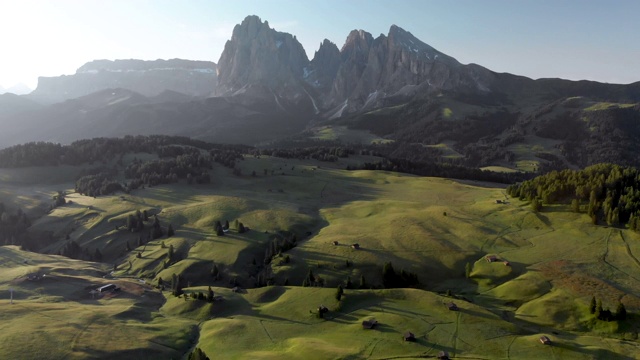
[(607, 192)]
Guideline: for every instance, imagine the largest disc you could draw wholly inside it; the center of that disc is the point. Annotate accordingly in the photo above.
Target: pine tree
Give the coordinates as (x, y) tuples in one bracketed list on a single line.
[(621, 312), (339, 292), (592, 305), (389, 276), (214, 271), (598, 312), (363, 283), (170, 253), (170, 231), (210, 295), (97, 256)]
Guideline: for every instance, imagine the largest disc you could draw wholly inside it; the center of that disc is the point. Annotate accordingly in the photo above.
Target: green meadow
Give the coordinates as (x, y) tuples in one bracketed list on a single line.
[(548, 266)]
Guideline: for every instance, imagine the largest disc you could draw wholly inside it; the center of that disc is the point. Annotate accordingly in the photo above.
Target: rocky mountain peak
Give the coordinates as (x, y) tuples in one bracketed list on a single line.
[(258, 54), (324, 66)]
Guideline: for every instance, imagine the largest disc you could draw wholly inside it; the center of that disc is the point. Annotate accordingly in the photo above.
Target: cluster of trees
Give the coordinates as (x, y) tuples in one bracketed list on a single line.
[(97, 184), (201, 296), (13, 227), (609, 192), (280, 243), (191, 166), (228, 155), (403, 279), (59, 199), (312, 280), (74, 251), (599, 313)]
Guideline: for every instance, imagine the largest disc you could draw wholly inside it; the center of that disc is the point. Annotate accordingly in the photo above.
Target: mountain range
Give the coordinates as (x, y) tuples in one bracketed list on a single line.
[(394, 87)]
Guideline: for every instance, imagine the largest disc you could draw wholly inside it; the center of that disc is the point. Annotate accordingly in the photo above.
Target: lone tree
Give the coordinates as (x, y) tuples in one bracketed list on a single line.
[(215, 272), (621, 312), (339, 292), (592, 306), (170, 231), (210, 295), (309, 280)]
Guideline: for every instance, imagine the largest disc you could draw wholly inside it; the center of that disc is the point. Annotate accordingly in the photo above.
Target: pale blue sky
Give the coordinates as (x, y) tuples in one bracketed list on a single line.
[(596, 40)]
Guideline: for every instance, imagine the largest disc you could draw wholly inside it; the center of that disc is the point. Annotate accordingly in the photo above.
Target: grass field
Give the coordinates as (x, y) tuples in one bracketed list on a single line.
[(432, 227)]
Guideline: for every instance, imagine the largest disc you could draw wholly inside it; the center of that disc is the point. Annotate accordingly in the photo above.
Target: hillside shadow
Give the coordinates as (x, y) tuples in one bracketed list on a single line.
[(599, 353)]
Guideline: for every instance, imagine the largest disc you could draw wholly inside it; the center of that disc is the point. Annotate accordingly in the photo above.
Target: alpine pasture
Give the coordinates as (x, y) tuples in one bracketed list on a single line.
[(547, 267)]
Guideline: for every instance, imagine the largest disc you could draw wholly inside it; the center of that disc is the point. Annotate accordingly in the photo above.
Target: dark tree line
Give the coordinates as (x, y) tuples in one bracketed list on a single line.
[(442, 170), (13, 228), (105, 149), (607, 192)]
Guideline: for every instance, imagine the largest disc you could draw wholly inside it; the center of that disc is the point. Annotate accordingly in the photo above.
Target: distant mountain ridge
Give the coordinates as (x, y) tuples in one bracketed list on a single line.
[(149, 78), (17, 89), (393, 87)]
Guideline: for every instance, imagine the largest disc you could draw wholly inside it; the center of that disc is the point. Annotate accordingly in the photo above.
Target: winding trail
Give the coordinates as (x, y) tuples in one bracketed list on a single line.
[(626, 245)]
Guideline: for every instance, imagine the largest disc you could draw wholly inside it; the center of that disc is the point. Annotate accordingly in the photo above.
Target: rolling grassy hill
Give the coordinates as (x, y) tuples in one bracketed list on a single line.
[(432, 227)]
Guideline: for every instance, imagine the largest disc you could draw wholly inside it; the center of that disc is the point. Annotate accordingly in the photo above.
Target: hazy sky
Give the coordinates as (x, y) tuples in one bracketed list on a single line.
[(578, 39)]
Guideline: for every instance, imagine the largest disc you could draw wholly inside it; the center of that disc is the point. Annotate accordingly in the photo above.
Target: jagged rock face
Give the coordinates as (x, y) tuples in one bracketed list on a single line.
[(149, 78), (354, 55), (257, 54), (324, 67)]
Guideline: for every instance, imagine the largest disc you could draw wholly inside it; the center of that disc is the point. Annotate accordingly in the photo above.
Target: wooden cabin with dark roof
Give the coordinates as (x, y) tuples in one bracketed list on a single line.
[(369, 324), (545, 340)]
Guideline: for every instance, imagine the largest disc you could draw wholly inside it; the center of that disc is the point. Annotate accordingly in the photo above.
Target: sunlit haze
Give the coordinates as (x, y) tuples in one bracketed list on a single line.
[(595, 40)]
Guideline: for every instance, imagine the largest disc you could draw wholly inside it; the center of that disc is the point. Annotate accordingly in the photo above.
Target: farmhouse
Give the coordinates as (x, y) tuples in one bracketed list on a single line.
[(545, 340), (443, 355), (355, 246), (491, 258), (452, 307), (369, 324), (336, 243), (408, 336), (105, 288)]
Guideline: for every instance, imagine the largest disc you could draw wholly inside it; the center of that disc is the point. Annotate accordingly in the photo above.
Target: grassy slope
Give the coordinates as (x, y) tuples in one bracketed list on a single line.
[(56, 317), (558, 261)]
